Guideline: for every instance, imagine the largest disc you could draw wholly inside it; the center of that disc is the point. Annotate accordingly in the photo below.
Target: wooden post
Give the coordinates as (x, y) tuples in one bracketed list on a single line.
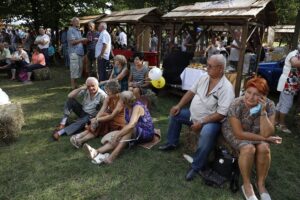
[(297, 31), (159, 46), (241, 60), (259, 48)]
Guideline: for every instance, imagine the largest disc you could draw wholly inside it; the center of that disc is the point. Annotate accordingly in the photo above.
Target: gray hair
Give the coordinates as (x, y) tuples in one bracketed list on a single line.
[(113, 86), (92, 79), (128, 97), (219, 58), (91, 23), (104, 25), (74, 18), (121, 59)]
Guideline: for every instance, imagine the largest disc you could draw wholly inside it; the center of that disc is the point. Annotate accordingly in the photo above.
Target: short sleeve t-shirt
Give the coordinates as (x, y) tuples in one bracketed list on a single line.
[(138, 76), (104, 38), (23, 54), (234, 53), (5, 54), (218, 100), (38, 58), (44, 37), (74, 34)]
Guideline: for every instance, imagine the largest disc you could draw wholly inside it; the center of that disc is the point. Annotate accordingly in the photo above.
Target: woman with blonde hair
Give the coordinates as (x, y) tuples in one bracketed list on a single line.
[(139, 129)]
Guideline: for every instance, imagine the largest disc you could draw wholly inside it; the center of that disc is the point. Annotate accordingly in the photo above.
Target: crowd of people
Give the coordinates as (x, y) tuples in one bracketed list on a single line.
[(112, 108)]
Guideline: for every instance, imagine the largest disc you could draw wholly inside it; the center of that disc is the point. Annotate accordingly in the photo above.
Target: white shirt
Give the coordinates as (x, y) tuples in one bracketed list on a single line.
[(123, 38), (104, 38), (286, 70), (44, 37), (218, 100), (234, 52), (17, 55)]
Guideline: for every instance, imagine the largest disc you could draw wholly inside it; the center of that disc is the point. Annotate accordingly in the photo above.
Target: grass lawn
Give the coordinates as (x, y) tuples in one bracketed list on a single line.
[(36, 168)]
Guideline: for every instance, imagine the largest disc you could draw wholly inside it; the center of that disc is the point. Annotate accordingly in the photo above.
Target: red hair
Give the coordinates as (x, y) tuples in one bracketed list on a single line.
[(260, 84)]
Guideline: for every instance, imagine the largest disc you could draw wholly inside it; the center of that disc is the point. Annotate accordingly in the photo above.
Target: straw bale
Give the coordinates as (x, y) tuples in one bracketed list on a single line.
[(11, 122), (41, 74)]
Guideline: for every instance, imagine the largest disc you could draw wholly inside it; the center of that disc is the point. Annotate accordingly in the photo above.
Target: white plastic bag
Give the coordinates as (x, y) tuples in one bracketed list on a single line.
[(4, 99)]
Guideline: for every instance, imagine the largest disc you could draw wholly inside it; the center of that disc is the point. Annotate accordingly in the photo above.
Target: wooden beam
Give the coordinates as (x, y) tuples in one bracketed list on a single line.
[(259, 48), (241, 60)]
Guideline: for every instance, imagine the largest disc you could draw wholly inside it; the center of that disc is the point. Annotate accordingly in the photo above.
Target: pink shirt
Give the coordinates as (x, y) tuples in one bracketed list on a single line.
[(38, 58)]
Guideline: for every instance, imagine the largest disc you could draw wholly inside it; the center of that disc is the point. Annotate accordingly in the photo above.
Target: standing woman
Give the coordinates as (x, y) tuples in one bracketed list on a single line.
[(249, 129)]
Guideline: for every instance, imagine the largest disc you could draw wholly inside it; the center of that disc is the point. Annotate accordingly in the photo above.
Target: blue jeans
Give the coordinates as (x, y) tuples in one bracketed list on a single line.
[(102, 66), (208, 135)]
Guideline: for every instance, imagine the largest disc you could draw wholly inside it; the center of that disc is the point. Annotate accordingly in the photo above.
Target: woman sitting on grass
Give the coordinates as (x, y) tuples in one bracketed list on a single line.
[(138, 81), (249, 129), (139, 129), (119, 72), (109, 118)]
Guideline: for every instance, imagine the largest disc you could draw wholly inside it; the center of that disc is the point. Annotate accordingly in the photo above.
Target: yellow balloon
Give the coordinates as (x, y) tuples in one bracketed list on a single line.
[(160, 83)]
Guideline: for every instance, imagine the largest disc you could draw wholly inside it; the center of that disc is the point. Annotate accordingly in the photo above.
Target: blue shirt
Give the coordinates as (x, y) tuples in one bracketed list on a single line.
[(74, 34)]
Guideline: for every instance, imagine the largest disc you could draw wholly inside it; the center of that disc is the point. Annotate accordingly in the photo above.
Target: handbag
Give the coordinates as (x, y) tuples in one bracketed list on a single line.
[(223, 168)]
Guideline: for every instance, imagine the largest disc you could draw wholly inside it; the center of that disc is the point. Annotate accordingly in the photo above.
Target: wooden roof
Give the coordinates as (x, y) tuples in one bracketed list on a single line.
[(144, 15), (91, 18), (231, 11)]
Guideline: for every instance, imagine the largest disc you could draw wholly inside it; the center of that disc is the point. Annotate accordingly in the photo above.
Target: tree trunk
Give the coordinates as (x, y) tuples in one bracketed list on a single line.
[(296, 33)]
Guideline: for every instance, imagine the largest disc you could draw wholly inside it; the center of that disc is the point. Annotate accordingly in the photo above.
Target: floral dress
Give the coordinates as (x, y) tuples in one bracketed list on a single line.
[(144, 130), (249, 123)]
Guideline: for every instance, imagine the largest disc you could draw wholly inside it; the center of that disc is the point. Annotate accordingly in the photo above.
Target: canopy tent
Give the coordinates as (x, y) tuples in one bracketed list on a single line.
[(137, 24), (252, 15)]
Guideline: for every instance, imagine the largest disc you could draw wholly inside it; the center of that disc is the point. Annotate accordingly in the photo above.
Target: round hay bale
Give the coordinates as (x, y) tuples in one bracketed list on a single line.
[(11, 122), (190, 140), (41, 74)]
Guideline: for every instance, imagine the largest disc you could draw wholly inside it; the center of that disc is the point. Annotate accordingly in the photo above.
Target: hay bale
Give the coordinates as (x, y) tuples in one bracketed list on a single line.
[(41, 74), (190, 140), (11, 122)]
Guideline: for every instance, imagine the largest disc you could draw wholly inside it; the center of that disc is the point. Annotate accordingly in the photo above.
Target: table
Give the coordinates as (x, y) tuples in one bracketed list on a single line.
[(190, 75)]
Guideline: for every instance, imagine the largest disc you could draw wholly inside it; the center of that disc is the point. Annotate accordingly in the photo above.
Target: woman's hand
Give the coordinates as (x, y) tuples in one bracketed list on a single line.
[(115, 139), (263, 101), (196, 127), (274, 139)]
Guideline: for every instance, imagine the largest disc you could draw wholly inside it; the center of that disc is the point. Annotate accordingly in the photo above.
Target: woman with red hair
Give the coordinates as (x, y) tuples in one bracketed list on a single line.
[(249, 128)]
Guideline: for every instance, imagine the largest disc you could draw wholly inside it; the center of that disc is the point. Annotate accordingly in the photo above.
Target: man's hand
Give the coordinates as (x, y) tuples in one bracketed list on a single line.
[(174, 110), (196, 127), (83, 87)]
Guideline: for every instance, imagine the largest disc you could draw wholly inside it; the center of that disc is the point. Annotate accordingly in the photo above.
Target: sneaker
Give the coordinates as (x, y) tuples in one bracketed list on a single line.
[(284, 129), (90, 151), (100, 158), (74, 142)]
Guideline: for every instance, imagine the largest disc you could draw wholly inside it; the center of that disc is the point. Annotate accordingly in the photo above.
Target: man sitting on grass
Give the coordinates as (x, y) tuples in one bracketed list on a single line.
[(93, 98)]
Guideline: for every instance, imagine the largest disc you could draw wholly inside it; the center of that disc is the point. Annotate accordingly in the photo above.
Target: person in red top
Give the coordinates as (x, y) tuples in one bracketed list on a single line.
[(37, 62)]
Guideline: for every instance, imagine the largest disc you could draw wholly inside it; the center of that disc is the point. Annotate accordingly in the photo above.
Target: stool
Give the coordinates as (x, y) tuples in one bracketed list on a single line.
[(41, 74)]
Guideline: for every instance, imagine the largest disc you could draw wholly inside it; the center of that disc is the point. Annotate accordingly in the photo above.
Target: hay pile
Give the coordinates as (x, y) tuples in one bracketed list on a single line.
[(41, 74), (11, 122)]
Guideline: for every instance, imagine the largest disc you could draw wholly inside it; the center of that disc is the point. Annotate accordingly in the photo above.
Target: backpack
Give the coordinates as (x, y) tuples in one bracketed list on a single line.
[(222, 169), (22, 75)]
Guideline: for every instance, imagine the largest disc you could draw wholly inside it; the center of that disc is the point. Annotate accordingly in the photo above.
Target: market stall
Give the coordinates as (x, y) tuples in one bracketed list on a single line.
[(252, 16), (84, 20), (137, 24)]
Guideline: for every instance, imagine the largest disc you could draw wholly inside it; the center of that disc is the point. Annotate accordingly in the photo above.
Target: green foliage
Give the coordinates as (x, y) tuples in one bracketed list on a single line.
[(287, 11)]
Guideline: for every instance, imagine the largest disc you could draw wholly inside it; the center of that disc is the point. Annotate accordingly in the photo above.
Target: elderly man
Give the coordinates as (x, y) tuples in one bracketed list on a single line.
[(43, 41), (92, 37), (211, 96), (75, 50), (103, 48), (93, 98)]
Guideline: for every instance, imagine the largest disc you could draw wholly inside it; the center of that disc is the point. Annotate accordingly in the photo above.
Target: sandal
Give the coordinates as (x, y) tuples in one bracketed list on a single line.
[(284, 129), (74, 142), (90, 151), (100, 158)]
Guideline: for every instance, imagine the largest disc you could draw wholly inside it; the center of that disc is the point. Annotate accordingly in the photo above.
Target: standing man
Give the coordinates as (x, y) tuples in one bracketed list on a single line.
[(103, 48), (43, 41), (64, 44), (75, 50), (92, 37), (235, 49), (210, 99), (122, 39)]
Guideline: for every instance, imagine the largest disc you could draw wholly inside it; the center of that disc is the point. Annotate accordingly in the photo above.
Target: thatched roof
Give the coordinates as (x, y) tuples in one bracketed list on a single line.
[(91, 18), (146, 15), (231, 11)]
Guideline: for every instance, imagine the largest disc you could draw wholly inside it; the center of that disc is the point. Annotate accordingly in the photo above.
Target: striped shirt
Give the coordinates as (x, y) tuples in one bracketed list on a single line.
[(138, 76)]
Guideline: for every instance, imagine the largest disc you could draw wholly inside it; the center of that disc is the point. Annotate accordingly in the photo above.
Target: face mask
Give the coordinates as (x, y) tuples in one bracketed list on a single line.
[(255, 110)]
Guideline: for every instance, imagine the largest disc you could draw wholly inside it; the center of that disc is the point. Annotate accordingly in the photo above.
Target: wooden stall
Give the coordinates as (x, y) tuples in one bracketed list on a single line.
[(84, 20), (137, 24), (252, 16)]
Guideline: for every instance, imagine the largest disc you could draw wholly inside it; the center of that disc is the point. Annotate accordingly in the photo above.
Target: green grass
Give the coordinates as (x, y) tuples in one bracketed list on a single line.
[(36, 168)]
